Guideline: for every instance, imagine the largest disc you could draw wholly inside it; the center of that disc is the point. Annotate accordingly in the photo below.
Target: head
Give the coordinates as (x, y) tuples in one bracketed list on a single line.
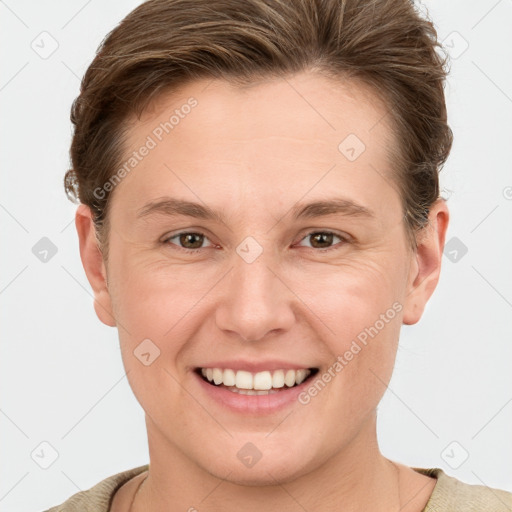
[(262, 109)]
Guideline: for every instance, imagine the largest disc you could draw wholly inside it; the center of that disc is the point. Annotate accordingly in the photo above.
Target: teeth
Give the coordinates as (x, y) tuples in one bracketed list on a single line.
[(253, 392), (278, 379), (244, 380), (228, 377), (263, 380), (261, 383), (301, 375), (289, 378), (217, 375)]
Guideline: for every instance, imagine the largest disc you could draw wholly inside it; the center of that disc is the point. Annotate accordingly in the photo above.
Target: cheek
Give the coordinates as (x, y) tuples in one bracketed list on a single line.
[(158, 300), (364, 339), (341, 304), (155, 295), (362, 307), (351, 297), (151, 294)]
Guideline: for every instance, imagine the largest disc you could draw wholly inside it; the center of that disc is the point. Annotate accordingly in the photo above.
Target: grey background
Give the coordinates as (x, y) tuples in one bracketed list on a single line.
[(448, 404)]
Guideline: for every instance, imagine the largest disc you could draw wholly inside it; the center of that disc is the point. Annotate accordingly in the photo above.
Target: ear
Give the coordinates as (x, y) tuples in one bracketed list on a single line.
[(94, 266), (426, 267)]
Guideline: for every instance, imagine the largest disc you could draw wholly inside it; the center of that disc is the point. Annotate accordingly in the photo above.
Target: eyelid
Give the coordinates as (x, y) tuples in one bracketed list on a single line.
[(344, 237), (311, 231), (166, 238)]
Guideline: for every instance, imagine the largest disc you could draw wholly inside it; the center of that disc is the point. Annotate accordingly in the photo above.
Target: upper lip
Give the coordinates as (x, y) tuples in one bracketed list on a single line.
[(256, 366)]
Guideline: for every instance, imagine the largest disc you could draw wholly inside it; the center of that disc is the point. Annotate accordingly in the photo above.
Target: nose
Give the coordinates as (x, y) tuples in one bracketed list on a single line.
[(256, 300)]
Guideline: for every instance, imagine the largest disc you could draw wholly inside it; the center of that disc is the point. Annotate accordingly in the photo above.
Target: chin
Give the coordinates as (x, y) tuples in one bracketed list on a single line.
[(264, 475), (272, 468)]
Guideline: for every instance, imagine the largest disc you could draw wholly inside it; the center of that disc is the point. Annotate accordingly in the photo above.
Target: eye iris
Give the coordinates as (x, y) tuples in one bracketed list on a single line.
[(186, 237), (326, 237), (319, 240)]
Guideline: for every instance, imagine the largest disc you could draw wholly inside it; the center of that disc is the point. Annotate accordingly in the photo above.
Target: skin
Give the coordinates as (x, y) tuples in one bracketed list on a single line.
[(253, 153)]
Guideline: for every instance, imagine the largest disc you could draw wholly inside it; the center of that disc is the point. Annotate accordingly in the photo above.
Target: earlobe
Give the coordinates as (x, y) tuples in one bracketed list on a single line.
[(94, 266), (426, 269)]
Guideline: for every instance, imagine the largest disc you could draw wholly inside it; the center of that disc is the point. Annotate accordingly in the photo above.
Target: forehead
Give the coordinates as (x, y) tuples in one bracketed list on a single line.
[(287, 133), (306, 106)]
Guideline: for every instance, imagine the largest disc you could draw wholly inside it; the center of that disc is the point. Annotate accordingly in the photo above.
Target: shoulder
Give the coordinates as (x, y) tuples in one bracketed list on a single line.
[(99, 497), (453, 495)]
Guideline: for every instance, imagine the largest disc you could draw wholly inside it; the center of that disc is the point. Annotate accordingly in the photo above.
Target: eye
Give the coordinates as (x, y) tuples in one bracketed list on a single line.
[(321, 239), (191, 241)]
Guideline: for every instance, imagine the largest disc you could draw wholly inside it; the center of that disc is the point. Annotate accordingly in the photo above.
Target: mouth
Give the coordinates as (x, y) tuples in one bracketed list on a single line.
[(260, 383)]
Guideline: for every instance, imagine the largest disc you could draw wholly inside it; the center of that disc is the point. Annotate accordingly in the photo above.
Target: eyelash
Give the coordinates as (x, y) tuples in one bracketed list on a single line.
[(166, 241)]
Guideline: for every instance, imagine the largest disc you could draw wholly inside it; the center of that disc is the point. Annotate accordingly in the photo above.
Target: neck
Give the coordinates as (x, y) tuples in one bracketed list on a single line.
[(356, 478)]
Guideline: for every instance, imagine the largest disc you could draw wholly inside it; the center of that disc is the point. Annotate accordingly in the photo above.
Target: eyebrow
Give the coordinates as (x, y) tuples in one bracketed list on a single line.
[(177, 207)]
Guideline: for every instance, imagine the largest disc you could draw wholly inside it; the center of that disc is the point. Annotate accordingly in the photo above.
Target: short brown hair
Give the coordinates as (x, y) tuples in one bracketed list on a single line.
[(163, 44)]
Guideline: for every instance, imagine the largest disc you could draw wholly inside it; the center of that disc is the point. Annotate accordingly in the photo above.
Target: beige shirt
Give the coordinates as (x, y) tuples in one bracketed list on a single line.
[(449, 495)]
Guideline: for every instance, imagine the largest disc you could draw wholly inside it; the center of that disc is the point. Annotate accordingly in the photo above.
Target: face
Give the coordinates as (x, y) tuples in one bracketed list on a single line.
[(266, 284)]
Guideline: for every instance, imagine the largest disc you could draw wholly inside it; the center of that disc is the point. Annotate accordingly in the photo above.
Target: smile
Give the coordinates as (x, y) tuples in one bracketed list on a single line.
[(260, 383)]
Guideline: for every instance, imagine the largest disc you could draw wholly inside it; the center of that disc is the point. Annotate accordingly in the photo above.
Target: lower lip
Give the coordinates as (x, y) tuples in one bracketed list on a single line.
[(252, 404)]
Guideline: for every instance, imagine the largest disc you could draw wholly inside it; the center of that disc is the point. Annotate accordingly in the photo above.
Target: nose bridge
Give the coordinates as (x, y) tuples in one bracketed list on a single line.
[(255, 301), (254, 277)]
